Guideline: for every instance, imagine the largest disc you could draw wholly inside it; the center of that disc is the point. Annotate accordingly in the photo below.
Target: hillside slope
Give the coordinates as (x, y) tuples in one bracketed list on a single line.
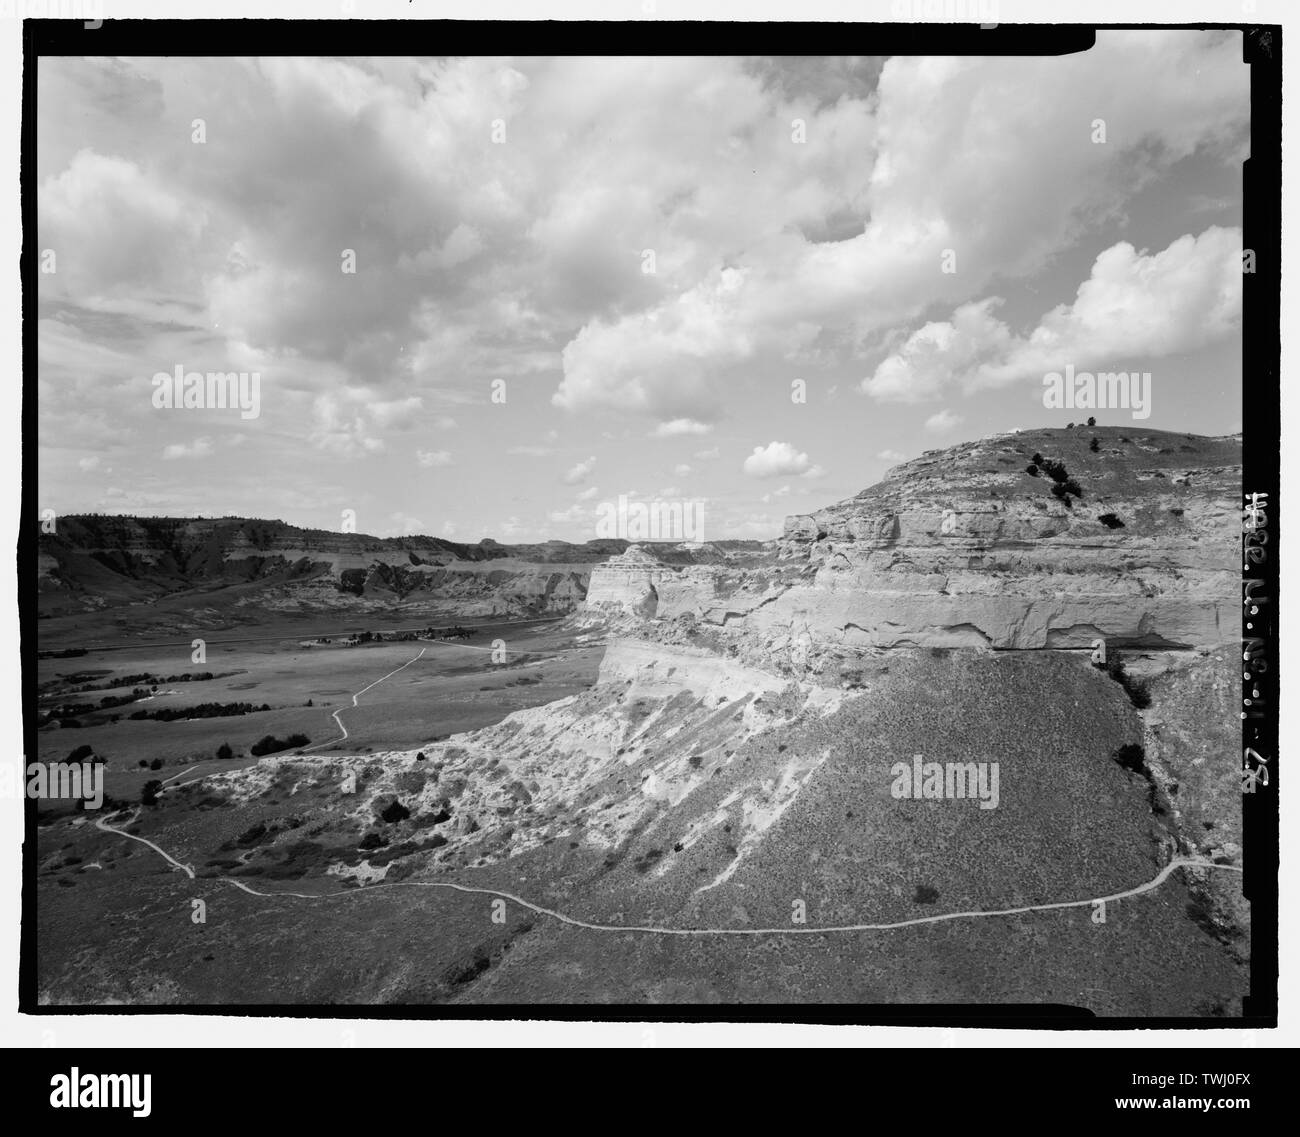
[(734, 774)]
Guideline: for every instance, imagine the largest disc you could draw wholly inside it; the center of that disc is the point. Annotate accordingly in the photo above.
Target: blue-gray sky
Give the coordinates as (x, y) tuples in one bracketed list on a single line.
[(522, 257)]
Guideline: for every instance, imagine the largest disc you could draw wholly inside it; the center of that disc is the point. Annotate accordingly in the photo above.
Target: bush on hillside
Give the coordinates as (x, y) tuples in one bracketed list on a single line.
[(396, 811)]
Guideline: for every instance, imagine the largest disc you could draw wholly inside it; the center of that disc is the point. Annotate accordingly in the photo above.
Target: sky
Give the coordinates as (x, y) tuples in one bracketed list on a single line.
[(750, 283)]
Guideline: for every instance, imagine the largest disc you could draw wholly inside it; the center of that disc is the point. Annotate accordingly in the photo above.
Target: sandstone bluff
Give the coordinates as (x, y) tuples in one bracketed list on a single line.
[(965, 547)]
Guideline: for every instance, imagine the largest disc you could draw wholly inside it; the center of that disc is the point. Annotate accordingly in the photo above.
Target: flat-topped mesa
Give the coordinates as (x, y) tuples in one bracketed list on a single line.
[(985, 545), (636, 582)]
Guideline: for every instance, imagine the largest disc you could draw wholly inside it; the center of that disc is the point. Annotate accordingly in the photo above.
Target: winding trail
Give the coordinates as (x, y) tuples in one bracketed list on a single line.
[(335, 714), (654, 930), (103, 825), (647, 929)]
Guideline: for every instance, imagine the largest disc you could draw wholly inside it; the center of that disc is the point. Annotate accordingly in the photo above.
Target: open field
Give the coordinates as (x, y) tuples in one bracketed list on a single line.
[(455, 686)]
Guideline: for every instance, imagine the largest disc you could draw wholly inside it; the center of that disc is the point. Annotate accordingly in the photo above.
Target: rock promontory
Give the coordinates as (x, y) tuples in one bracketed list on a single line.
[(1049, 538)]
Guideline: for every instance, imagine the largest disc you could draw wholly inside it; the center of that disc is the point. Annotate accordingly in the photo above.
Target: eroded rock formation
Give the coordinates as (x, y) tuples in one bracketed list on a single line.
[(973, 547)]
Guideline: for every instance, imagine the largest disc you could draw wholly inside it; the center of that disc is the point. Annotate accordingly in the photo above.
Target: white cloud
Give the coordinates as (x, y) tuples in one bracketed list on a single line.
[(1135, 304), (199, 448), (390, 413), (432, 458), (708, 455), (942, 421), (1164, 96), (680, 426), (777, 459), (404, 525), (891, 456), (580, 473), (682, 469), (463, 243), (116, 230), (939, 351)]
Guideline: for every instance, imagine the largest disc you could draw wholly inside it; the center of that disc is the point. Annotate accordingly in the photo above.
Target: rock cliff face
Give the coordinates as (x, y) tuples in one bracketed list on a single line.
[(642, 584), (1021, 541), (102, 562)]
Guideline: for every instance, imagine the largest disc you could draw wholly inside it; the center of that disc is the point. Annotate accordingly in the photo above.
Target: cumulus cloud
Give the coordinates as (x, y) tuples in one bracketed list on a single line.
[(345, 422), (199, 448), (1164, 96), (580, 472), (1134, 304), (404, 525), (935, 353), (942, 422), (891, 456), (525, 261), (777, 459), (116, 230), (680, 426), (432, 458)]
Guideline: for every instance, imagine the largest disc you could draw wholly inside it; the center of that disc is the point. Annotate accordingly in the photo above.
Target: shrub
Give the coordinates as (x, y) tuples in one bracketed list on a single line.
[(1110, 521), (269, 744), (1031, 470), (395, 811), (1094, 445), (1037, 459), (1069, 426), (149, 792), (1063, 490), (80, 754), (156, 764), (252, 835), (224, 752), (1092, 421), (373, 841), (1054, 469)]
